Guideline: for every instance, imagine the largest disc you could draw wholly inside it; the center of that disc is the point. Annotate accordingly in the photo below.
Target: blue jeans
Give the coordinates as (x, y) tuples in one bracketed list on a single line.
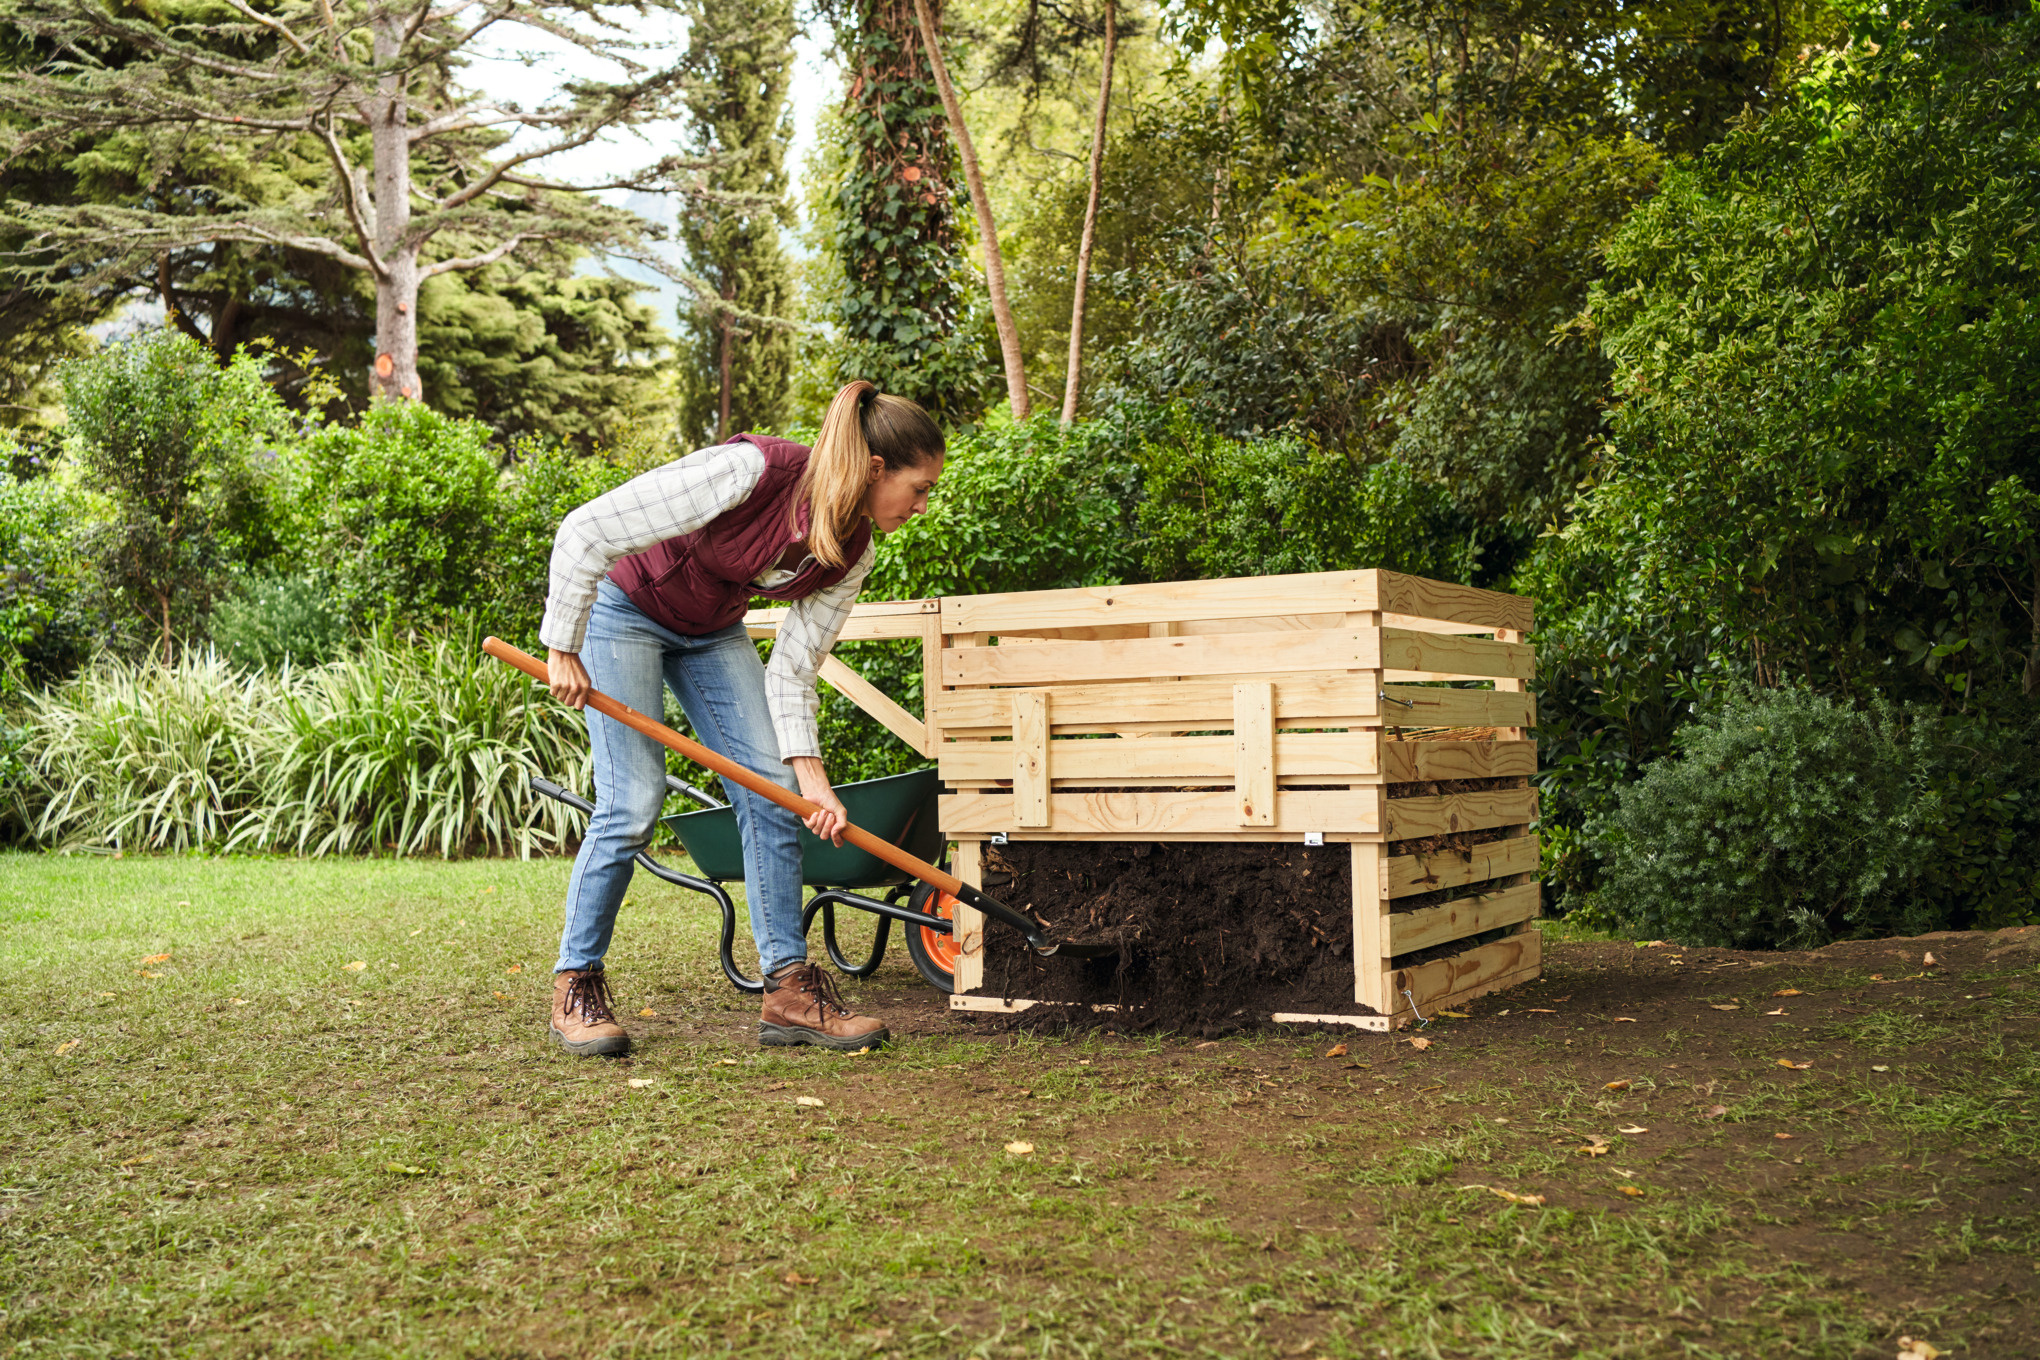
[(720, 682)]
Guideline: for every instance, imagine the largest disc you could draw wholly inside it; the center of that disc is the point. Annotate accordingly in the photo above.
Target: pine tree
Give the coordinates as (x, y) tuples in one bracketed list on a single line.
[(376, 159), (736, 375)]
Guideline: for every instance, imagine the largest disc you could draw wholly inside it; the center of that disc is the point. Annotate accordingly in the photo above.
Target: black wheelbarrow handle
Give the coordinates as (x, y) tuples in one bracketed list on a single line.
[(729, 769)]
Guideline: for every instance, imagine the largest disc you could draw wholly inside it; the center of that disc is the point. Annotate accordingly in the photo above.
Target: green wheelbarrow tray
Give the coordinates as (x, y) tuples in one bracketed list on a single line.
[(899, 808)]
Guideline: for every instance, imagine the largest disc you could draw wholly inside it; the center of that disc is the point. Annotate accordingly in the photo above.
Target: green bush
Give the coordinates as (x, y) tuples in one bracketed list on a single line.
[(399, 507), (1788, 819), (273, 619), (48, 614), (399, 748), (543, 485)]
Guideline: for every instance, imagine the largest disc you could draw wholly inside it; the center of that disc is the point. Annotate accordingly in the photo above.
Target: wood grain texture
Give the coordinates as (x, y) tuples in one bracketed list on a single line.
[(1454, 656), (1160, 815), (1404, 762), (1162, 602), (1298, 757), (1441, 600), (1308, 700), (1412, 874), (1410, 931), (1433, 706), (1442, 814), (1254, 753), (1444, 983), (968, 864), (1049, 663), (1030, 760), (1370, 928)]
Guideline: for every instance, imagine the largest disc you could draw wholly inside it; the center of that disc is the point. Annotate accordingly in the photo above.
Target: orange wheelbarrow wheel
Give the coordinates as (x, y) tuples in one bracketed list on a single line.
[(933, 951)]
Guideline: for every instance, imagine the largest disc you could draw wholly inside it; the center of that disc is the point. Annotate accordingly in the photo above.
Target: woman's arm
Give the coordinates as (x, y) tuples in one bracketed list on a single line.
[(810, 631)]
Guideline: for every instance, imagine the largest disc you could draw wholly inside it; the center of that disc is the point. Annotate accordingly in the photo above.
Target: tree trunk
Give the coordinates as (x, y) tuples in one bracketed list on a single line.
[(1074, 376), (395, 374), (995, 264)]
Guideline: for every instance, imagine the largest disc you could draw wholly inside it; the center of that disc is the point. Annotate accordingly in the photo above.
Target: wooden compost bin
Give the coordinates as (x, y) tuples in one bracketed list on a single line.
[(1277, 709)]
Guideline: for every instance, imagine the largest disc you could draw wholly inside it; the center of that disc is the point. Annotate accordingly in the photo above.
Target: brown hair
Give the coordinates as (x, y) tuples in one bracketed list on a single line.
[(862, 421)]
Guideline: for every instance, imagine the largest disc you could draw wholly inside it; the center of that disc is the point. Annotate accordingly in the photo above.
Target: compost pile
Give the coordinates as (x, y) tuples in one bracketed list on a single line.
[(1211, 937)]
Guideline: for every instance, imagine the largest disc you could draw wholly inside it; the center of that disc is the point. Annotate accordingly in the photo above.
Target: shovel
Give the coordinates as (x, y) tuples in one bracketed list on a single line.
[(940, 879)]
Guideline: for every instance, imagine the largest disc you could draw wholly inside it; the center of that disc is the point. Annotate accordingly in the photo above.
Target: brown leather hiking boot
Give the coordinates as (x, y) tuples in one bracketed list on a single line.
[(582, 1019), (802, 1006)]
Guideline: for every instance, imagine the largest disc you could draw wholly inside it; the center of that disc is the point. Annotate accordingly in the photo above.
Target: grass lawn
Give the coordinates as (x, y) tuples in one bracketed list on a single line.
[(248, 1149)]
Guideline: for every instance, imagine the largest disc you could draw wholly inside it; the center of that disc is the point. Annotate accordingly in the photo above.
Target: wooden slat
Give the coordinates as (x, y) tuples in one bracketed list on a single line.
[(1370, 928), (877, 703), (1030, 760), (1404, 762), (1409, 818), (1045, 663), (1299, 757), (1159, 816), (1400, 594), (1162, 602), (1410, 931), (1300, 701), (1434, 706), (1412, 874), (967, 863), (1456, 657), (1254, 753), (869, 621), (1444, 983)]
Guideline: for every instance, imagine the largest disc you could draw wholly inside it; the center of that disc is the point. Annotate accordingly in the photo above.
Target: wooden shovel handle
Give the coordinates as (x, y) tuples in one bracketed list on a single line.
[(729, 769)]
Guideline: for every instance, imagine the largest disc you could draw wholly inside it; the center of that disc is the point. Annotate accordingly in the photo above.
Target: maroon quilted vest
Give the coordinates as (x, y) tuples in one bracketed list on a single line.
[(701, 582)]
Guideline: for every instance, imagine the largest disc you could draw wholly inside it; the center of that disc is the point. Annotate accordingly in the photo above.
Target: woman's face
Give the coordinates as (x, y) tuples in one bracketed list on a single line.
[(896, 497)]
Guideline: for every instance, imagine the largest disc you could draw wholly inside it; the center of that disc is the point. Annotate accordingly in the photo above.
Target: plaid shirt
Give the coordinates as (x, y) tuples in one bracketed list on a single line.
[(679, 498)]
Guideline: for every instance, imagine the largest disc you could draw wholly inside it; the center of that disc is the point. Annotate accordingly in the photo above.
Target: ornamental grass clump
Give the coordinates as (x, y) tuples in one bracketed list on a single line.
[(405, 748)]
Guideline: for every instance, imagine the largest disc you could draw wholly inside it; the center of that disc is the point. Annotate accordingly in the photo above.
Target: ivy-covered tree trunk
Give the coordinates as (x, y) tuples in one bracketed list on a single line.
[(736, 373), (902, 315)]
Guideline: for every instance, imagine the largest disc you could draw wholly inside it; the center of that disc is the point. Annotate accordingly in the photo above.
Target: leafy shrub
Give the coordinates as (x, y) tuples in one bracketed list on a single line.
[(1788, 819), (48, 617), (399, 748), (273, 619), (398, 507), (543, 485)]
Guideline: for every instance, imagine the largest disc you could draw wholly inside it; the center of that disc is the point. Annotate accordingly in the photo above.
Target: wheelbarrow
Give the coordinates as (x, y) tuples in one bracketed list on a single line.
[(936, 908), (899, 808)]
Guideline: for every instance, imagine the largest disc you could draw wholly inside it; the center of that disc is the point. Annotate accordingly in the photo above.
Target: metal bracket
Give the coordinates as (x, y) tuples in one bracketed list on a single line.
[(1313, 838), (998, 838)]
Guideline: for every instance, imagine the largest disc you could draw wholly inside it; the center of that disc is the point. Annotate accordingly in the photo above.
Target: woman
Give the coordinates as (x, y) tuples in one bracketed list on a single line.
[(649, 585)]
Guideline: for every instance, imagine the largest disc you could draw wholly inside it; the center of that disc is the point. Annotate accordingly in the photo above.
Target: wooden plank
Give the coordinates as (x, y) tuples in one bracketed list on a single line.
[(931, 681), (1404, 762), (1030, 760), (1434, 706), (1510, 686), (1409, 818), (967, 863), (1370, 928), (1046, 663), (1444, 983), (1373, 1022), (1326, 757), (1444, 655), (877, 703), (1400, 594), (1157, 816), (1300, 701), (869, 621), (1254, 753), (1410, 931), (1162, 602), (1412, 874)]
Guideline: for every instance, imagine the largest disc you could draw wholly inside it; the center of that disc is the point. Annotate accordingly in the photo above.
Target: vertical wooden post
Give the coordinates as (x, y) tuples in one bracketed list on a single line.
[(1030, 759), (931, 682), (1370, 927), (1509, 686), (968, 865), (1254, 752)]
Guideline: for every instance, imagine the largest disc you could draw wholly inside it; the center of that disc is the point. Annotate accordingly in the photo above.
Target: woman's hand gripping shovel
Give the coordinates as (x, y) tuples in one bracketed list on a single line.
[(941, 880)]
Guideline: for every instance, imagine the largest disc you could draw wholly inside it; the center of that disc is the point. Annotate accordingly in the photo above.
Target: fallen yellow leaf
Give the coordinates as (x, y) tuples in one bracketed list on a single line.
[(1336, 1051), (500, 996), (67, 1046), (1788, 991), (1779, 1011), (1797, 1067), (143, 972), (1455, 1015), (514, 968), (1514, 1198), (794, 1276), (1020, 1149), (1652, 944), (355, 966), (1782, 1135), (1634, 1192), (419, 931), (156, 958), (400, 1169), (1625, 1019), (813, 1101), (648, 1012), (1622, 1085), (1632, 1128), (1911, 1349), (1208, 1043), (729, 1062), (1727, 1008), (1420, 1043), (239, 1002), (639, 1083), (1538, 1010), (1593, 1150)]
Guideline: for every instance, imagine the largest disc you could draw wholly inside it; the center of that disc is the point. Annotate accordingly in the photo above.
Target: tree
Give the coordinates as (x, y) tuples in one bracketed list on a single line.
[(378, 160), (988, 230), (170, 439), (1074, 375), (736, 375)]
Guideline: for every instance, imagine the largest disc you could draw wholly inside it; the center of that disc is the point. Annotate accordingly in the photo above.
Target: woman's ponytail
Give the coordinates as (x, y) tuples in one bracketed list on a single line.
[(862, 421)]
